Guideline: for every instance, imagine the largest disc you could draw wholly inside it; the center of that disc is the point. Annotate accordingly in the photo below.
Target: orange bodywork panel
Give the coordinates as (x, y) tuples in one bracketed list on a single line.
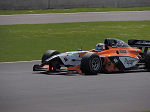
[(133, 52), (107, 65), (75, 68), (45, 66)]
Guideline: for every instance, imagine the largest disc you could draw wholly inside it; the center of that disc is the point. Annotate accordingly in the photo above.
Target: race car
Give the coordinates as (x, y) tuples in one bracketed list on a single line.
[(113, 55)]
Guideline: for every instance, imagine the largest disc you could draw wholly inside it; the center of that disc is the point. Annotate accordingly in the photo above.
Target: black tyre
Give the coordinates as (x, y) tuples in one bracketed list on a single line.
[(48, 54), (91, 64), (147, 60)]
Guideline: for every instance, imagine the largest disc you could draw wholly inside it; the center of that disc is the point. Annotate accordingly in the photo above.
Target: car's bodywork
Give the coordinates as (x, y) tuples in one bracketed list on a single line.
[(117, 56)]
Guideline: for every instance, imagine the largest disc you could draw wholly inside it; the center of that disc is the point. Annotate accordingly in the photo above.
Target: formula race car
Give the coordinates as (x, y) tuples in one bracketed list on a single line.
[(111, 56)]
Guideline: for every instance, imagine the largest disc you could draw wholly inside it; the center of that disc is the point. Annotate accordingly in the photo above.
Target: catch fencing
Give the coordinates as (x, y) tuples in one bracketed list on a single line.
[(58, 4)]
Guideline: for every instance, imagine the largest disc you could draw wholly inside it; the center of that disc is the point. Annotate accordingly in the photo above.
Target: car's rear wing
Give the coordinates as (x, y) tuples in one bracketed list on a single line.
[(139, 44)]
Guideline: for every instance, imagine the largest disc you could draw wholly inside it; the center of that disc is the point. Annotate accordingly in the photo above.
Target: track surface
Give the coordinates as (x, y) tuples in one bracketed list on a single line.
[(22, 90), (74, 17)]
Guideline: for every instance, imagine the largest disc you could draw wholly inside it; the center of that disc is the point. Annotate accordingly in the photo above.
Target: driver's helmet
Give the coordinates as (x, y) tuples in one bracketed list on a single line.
[(100, 46)]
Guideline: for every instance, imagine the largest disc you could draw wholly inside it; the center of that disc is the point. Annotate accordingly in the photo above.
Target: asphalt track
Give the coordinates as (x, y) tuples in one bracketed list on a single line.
[(22, 90), (74, 17)]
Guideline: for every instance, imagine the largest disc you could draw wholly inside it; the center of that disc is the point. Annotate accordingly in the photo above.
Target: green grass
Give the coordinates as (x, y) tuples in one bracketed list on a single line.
[(29, 42), (73, 10)]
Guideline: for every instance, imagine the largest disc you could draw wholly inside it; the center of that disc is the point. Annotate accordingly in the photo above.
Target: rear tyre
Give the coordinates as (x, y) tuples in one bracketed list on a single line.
[(147, 60), (91, 64), (48, 54)]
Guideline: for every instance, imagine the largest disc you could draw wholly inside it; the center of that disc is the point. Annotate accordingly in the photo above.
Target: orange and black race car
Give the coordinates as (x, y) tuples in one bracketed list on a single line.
[(111, 56)]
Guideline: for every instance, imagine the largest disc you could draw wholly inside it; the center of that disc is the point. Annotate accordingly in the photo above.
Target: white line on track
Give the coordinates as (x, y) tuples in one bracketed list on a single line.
[(19, 62), (97, 12), (6, 15), (74, 13)]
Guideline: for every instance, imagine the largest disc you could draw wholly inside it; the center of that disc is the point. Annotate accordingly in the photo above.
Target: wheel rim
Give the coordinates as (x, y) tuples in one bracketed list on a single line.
[(95, 64)]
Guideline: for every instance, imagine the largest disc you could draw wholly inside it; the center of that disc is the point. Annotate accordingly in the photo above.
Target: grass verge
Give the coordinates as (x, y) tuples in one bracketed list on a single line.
[(73, 10), (29, 42)]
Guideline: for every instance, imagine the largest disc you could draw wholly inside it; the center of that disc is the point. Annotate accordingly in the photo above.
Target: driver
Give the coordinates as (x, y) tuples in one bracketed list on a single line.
[(100, 46)]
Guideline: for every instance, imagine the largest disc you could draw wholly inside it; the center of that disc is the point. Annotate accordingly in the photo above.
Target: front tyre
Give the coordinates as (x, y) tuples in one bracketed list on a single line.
[(91, 64)]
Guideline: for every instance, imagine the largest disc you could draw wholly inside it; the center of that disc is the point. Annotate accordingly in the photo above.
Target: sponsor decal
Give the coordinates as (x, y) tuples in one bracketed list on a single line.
[(123, 51), (143, 42), (65, 59), (128, 61), (116, 60)]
